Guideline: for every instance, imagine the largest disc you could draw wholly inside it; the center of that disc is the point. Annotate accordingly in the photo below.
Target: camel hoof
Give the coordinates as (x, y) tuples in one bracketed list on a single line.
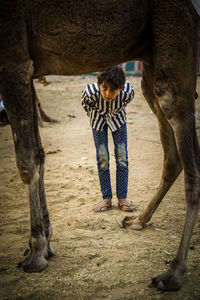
[(124, 223), (132, 222), (36, 265), (33, 263), (167, 284), (136, 226)]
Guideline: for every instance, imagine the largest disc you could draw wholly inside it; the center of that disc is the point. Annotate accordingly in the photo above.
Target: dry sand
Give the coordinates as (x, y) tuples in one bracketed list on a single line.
[(95, 258)]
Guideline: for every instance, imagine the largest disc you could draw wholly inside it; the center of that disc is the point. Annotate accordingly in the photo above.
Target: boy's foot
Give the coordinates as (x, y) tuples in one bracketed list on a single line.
[(104, 205), (124, 205)]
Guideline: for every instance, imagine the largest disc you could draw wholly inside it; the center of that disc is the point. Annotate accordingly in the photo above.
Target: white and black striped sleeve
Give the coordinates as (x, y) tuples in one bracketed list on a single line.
[(88, 100), (128, 93)]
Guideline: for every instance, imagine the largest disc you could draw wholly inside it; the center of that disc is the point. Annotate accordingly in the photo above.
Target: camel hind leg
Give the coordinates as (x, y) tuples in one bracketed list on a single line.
[(181, 118), (171, 165), (19, 98), (175, 48), (175, 84), (174, 109)]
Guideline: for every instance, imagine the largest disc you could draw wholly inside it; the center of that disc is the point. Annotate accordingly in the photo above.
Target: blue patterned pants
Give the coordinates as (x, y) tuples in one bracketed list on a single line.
[(121, 158)]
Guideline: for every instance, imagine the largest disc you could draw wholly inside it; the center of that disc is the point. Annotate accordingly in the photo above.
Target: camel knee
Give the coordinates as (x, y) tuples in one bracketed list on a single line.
[(29, 173), (166, 97), (28, 165)]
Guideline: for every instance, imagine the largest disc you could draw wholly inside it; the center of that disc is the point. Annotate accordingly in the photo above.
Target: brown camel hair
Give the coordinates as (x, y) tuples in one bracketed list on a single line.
[(77, 37)]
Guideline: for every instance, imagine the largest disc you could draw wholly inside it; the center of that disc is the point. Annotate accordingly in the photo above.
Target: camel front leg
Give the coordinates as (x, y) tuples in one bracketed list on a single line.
[(42, 195), (171, 165), (18, 95)]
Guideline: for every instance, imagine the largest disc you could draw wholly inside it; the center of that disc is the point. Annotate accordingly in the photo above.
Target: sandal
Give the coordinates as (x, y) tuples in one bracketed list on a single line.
[(124, 205), (103, 206)]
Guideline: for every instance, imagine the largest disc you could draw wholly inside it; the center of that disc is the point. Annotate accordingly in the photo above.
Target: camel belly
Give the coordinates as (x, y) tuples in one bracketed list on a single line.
[(87, 37), (78, 58)]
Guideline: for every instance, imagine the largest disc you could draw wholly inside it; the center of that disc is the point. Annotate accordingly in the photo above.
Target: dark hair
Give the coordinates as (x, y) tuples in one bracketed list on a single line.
[(114, 76)]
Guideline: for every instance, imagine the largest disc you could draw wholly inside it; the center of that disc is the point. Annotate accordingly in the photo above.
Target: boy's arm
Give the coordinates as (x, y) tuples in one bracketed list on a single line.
[(128, 93), (87, 102)]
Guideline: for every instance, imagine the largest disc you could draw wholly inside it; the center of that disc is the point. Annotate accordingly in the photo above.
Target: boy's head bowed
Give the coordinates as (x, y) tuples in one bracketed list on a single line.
[(114, 77)]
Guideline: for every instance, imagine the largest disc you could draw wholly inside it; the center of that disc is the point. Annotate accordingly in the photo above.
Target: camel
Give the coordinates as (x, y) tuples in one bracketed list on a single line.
[(79, 37), (42, 116)]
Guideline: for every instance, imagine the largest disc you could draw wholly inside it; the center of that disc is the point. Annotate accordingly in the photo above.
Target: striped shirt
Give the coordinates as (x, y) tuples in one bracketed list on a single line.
[(101, 112)]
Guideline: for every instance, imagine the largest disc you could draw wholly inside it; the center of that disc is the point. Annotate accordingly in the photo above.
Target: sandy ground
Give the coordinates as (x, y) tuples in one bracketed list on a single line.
[(95, 258)]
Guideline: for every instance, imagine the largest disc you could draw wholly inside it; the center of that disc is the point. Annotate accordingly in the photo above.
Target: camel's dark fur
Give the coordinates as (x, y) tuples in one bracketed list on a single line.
[(75, 37)]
